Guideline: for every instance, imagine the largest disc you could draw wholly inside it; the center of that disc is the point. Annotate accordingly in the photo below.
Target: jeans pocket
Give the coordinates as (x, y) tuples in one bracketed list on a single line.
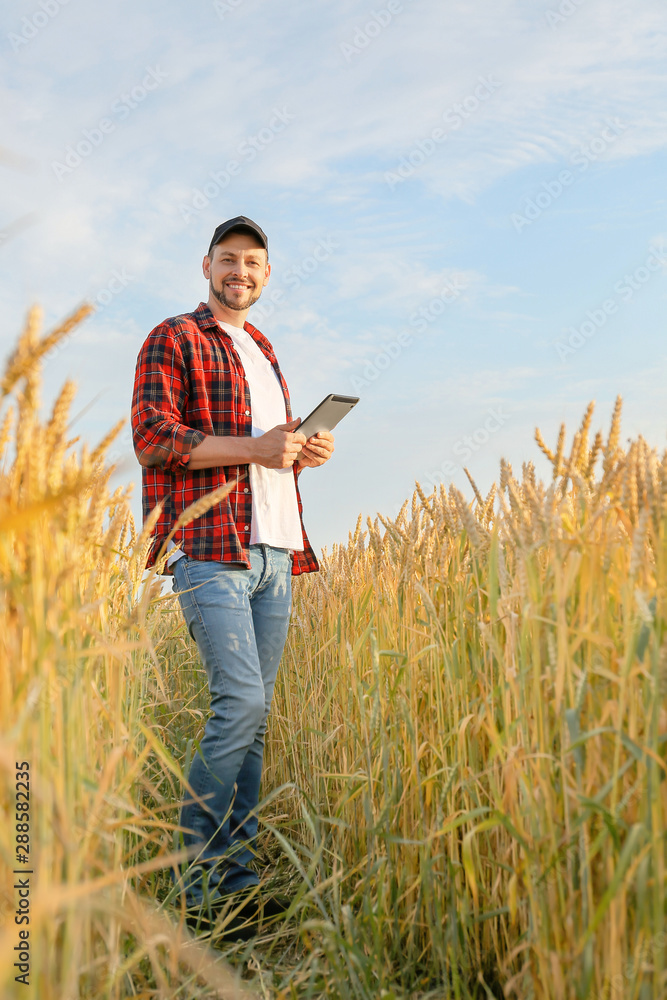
[(177, 571), (184, 587)]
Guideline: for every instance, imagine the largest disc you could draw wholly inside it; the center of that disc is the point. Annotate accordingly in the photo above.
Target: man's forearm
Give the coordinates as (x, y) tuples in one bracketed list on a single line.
[(225, 450)]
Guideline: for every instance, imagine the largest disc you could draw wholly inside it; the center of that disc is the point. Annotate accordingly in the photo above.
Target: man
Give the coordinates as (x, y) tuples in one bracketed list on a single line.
[(210, 405)]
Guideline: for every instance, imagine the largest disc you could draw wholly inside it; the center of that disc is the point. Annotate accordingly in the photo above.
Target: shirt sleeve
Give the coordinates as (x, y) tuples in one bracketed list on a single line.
[(161, 387)]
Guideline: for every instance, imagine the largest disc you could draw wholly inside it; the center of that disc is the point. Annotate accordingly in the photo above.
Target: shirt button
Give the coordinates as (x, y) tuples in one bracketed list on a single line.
[(246, 490), (246, 527), (247, 413)]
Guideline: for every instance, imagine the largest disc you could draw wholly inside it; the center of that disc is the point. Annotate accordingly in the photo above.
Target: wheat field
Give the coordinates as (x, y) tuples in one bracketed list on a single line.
[(464, 778)]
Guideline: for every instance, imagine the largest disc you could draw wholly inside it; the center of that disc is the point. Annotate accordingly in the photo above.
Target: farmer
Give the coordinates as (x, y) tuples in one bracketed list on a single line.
[(210, 405)]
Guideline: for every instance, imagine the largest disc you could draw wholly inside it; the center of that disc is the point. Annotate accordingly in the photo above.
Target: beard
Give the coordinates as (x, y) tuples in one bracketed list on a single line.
[(235, 304)]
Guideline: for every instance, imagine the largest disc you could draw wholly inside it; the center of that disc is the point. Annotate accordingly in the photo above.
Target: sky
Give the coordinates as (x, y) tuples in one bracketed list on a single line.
[(465, 205)]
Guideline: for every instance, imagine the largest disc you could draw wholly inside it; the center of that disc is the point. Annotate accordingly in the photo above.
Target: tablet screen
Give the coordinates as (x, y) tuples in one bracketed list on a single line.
[(324, 417)]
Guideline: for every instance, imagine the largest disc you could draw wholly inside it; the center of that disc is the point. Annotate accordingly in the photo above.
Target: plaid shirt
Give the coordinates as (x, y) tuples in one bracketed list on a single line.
[(190, 383)]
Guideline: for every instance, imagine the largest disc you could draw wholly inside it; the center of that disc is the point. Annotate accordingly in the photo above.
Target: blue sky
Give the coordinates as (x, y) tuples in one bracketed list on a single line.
[(465, 204)]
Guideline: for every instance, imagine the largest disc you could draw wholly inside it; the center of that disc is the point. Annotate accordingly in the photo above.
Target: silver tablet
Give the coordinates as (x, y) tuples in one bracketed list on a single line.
[(324, 417)]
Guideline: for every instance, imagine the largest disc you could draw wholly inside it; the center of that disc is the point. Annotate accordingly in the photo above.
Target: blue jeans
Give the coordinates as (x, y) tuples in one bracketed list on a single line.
[(239, 618)]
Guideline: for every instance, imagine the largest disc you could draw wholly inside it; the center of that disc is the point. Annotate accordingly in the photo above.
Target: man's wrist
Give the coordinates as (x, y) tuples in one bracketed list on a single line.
[(245, 451), (252, 451), (216, 451)]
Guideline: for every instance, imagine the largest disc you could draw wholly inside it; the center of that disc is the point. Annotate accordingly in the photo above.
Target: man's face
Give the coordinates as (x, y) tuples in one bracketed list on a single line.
[(237, 270)]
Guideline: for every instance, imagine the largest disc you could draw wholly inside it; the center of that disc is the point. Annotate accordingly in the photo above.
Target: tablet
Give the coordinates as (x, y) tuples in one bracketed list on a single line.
[(324, 417)]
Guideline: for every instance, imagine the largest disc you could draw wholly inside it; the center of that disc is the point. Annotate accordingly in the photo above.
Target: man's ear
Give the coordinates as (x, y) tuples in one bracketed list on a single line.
[(206, 266)]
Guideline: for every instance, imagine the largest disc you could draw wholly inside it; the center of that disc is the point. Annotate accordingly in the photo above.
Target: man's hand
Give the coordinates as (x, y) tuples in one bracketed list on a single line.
[(279, 447), (317, 450)]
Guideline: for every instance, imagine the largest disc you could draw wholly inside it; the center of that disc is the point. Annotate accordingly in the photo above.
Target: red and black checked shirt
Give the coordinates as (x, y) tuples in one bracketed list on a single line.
[(190, 383)]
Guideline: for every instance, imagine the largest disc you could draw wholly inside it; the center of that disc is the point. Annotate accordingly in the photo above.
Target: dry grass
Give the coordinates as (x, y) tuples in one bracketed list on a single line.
[(79, 679), (474, 705), (464, 774)]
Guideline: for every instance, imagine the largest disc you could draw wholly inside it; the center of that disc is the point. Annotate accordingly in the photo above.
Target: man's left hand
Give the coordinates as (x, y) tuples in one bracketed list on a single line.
[(316, 450)]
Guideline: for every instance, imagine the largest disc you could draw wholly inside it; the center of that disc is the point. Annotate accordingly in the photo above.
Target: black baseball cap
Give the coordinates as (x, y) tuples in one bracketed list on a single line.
[(241, 222)]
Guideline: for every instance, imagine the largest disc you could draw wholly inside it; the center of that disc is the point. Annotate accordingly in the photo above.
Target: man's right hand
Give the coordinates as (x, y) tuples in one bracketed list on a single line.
[(280, 447)]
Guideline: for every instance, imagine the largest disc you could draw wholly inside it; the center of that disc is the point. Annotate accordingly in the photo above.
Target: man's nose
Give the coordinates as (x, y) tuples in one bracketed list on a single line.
[(240, 269)]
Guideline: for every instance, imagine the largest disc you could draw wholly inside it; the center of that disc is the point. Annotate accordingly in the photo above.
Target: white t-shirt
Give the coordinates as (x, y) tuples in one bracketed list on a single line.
[(275, 512)]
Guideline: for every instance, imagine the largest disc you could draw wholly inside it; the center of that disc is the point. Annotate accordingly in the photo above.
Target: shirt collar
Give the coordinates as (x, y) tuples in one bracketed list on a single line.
[(204, 317), (206, 321)]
